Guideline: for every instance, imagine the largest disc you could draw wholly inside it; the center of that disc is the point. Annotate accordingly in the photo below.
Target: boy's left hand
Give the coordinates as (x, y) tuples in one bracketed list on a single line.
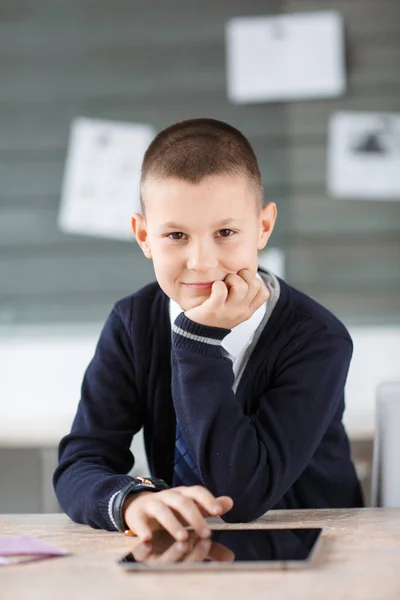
[(231, 301)]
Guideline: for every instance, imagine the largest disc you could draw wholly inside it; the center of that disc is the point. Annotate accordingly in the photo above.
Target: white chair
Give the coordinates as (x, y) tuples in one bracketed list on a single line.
[(385, 485)]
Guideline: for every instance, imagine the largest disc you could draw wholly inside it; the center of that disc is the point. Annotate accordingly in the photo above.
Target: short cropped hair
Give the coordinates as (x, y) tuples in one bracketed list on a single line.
[(197, 148)]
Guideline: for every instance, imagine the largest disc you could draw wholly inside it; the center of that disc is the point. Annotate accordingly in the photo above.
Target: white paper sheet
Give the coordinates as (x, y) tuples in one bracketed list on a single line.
[(364, 156), (285, 57), (102, 174)]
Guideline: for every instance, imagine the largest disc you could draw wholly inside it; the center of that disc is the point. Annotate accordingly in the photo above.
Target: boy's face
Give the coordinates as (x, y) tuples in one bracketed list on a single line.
[(199, 233)]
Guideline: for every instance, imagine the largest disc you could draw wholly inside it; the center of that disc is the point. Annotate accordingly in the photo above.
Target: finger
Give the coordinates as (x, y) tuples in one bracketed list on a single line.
[(142, 552), (258, 289), (163, 514), (199, 552), (220, 509), (259, 299), (175, 553), (246, 275), (160, 542), (209, 504), (188, 510), (237, 287), (253, 282), (226, 503), (139, 524), (220, 553), (219, 293)]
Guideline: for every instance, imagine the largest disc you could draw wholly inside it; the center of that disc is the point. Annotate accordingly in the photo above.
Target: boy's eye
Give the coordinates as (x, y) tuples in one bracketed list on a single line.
[(226, 232), (176, 235)]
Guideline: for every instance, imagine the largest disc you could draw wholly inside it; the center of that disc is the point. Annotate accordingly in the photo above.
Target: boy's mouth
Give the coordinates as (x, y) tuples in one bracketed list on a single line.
[(204, 285)]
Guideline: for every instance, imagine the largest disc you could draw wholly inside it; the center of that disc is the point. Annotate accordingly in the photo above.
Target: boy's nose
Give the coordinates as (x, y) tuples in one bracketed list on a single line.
[(202, 257)]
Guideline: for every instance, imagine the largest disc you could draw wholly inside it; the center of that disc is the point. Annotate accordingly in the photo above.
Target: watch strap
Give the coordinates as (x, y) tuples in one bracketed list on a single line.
[(138, 484)]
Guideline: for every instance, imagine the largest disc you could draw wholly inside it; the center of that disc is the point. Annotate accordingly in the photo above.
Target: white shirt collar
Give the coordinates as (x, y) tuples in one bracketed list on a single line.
[(240, 337)]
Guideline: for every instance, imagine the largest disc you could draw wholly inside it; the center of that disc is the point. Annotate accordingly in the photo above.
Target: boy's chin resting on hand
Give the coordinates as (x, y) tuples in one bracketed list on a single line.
[(231, 301)]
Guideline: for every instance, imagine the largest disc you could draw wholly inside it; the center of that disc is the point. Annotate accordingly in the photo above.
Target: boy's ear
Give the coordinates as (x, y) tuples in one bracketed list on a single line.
[(140, 232), (267, 220)]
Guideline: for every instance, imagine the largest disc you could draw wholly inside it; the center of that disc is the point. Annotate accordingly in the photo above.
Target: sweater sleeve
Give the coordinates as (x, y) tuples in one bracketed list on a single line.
[(95, 457), (255, 459)]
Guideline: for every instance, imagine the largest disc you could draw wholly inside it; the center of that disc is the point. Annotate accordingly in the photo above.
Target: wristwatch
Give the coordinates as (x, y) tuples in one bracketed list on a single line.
[(138, 484)]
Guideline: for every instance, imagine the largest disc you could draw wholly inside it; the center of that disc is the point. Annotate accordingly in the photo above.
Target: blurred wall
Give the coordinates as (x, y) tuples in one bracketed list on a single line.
[(159, 62)]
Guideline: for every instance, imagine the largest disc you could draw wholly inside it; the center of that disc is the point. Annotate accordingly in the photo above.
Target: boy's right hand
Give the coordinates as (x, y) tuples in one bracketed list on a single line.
[(173, 510)]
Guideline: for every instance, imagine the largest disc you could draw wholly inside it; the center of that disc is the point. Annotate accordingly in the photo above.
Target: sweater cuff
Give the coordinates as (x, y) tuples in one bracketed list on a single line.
[(105, 505), (205, 340)]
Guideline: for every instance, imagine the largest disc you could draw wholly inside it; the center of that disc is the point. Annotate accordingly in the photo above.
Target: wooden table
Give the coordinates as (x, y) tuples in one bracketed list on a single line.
[(361, 560)]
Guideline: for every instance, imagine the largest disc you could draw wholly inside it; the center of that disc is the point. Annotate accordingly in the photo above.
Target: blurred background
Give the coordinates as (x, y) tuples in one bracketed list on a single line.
[(137, 61)]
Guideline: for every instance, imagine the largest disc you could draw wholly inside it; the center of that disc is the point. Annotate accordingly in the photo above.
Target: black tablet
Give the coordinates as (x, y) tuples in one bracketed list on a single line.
[(227, 549)]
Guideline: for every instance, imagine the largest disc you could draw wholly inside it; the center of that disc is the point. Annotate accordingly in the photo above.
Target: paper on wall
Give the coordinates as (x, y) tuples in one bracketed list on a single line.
[(364, 156), (285, 57), (102, 174)]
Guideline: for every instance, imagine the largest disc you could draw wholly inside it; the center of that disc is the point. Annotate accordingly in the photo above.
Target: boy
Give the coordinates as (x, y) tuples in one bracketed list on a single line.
[(236, 377)]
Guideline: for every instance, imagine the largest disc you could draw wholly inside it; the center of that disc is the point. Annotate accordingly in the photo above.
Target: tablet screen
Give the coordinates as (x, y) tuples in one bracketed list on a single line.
[(233, 547)]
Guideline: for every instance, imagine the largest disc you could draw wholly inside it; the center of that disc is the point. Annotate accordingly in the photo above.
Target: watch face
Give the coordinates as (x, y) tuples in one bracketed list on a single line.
[(152, 482), (144, 481)]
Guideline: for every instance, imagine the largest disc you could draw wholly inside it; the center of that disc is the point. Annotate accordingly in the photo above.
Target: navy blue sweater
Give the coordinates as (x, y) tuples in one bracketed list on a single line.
[(278, 442)]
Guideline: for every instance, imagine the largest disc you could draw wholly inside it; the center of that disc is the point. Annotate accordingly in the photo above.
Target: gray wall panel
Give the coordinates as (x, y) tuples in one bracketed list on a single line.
[(333, 261), (315, 212), (310, 119), (71, 272), (34, 177)]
